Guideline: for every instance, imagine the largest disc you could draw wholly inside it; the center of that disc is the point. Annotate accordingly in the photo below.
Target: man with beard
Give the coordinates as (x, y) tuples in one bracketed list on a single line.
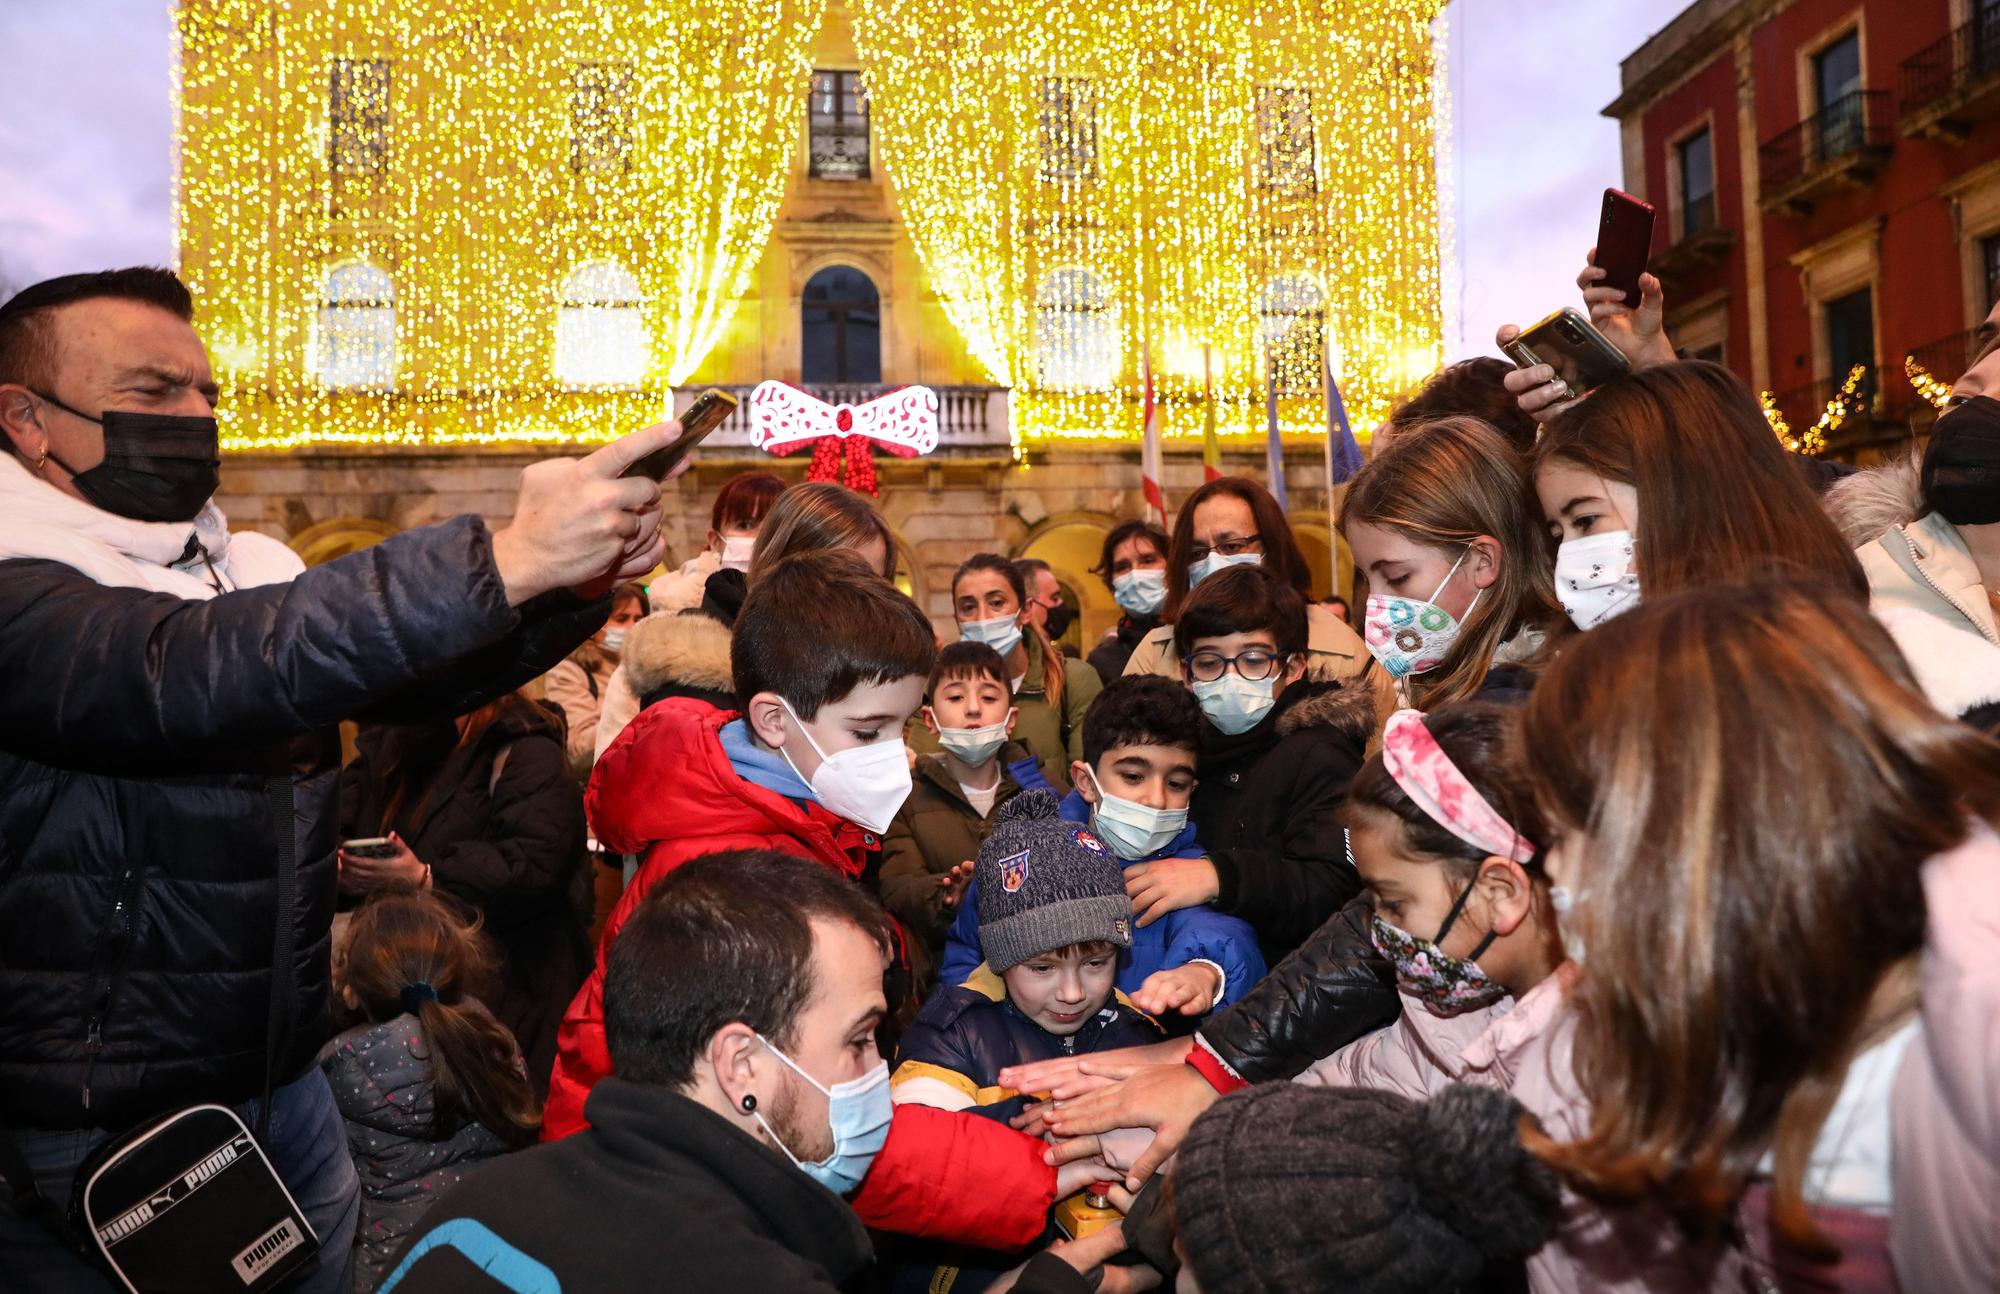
[(747, 1095)]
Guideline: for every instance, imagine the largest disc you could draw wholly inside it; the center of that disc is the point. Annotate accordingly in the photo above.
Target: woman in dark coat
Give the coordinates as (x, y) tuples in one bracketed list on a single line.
[(483, 808)]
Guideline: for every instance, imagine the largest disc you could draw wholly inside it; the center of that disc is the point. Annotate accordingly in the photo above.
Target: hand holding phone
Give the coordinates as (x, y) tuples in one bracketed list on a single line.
[(370, 847), (710, 410), (1581, 357), (1624, 242)]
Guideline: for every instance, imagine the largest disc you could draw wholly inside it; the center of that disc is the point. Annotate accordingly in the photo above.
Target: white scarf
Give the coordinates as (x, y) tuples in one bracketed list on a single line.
[(189, 559)]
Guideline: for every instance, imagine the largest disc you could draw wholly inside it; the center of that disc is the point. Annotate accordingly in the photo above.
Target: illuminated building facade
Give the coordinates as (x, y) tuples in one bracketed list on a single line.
[(427, 237)]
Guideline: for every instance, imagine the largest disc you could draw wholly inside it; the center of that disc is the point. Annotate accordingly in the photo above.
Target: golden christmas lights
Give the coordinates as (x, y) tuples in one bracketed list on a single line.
[(1813, 443), (1927, 387), (1087, 182), (478, 155)]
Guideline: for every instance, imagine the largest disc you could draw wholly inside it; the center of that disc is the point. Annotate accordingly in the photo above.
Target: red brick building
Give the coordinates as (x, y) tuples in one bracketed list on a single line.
[(1828, 179)]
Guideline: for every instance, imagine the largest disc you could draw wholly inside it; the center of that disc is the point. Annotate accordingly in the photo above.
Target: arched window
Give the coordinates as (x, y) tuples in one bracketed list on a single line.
[(1291, 324), (600, 332), (840, 327), (357, 327), (1076, 335)]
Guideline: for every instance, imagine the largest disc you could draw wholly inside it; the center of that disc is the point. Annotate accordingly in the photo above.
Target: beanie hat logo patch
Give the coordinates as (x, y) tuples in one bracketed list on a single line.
[(1090, 842), (1014, 872), (1123, 927)]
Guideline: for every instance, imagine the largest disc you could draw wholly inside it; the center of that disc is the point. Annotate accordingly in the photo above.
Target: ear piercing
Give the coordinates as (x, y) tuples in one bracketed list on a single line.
[(749, 1103)]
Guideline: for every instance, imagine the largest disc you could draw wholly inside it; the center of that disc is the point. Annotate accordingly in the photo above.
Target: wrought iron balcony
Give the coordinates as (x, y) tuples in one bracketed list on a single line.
[(1841, 146), (1946, 86), (972, 420)]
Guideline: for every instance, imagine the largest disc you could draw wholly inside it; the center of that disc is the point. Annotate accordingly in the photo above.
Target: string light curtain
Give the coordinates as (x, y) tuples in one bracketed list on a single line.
[(479, 152), (1218, 168)]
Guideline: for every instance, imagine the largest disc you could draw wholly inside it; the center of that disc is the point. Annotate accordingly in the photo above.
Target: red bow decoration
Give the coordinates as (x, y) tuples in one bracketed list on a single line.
[(903, 422)]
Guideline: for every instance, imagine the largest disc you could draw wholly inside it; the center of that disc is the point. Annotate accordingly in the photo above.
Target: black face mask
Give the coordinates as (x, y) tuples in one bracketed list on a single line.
[(157, 466), (1059, 618), (1961, 472)]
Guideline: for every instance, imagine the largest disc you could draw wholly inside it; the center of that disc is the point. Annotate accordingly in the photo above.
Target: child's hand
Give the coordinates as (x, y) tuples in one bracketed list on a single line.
[(1169, 884), (1034, 1120), (953, 884), (1189, 989)]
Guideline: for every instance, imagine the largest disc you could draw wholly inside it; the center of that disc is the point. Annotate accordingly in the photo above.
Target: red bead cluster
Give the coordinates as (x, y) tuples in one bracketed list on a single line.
[(854, 468)]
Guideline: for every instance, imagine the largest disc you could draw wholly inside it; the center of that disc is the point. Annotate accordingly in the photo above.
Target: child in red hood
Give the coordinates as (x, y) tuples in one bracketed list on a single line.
[(829, 662)]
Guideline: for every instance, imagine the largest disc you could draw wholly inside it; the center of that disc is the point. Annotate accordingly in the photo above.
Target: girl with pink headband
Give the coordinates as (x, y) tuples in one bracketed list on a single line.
[(1447, 838)]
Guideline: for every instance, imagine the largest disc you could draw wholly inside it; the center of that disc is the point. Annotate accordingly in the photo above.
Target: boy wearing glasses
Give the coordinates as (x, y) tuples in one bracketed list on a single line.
[(1132, 791), (1277, 753)]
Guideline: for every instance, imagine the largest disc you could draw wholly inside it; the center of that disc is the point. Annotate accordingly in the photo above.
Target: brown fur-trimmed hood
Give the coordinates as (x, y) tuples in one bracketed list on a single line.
[(686, 648), (1867, 504), (1348, 708)]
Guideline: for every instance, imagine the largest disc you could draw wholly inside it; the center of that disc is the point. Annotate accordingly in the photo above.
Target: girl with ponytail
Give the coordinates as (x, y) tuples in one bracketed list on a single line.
[(429, 1084)]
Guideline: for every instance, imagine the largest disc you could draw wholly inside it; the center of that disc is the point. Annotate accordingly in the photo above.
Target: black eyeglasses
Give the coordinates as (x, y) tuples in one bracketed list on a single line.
[(1254, 665), (1228, 548)]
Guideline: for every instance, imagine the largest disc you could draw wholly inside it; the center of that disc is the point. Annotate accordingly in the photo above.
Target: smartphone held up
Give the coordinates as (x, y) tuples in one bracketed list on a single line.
[(1582, 357), (709, 411)]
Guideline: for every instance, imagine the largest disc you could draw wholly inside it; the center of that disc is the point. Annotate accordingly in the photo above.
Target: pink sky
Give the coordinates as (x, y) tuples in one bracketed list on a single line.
[(86, 138)]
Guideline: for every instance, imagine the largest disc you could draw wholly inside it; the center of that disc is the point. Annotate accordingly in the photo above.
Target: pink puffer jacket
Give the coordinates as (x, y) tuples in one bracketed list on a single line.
[(1944, 1224), (1523, 1048)]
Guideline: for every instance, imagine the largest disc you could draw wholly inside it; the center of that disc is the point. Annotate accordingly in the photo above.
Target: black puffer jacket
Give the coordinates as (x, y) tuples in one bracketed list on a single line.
[(1334, 989), (1265, 811), (500, 822), (137, 848)]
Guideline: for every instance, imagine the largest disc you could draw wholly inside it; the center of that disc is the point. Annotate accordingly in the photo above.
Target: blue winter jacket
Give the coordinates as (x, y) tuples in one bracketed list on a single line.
[(1190, 934)]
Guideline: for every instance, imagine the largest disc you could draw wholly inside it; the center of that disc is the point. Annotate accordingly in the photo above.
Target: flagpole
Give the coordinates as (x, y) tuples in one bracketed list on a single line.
[(1211, 448), (1274, 447)]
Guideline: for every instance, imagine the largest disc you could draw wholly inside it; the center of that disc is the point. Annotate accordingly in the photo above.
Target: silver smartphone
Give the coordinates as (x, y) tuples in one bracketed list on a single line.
[(1581, 356)]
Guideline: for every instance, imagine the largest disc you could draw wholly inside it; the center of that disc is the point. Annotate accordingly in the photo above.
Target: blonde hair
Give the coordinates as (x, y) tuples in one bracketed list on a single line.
[(1444, 484), (815, 517)]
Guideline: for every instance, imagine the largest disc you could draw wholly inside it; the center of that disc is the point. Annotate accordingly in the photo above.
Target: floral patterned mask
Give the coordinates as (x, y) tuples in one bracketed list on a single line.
[(1425, 971)]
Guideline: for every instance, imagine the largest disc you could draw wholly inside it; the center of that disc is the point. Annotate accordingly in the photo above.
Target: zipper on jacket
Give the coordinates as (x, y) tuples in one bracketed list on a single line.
[(117, 940), (1918, 559)]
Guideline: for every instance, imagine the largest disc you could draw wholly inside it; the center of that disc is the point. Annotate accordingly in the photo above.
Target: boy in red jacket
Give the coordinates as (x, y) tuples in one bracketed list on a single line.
[(829, 662)]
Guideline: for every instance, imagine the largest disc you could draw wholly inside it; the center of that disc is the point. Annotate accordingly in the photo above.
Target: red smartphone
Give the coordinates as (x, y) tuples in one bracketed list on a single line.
[(710, 410), (1624, 241)]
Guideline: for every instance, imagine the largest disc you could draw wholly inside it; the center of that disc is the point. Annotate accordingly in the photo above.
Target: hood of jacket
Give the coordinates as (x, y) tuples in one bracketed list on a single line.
[(184, 558), (1868, 503), (1349, 711), (668, 777), (678, 648)]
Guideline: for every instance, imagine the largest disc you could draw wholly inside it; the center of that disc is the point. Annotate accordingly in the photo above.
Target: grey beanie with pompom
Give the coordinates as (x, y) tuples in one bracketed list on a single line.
[(1045, 883), (1357, 1191)]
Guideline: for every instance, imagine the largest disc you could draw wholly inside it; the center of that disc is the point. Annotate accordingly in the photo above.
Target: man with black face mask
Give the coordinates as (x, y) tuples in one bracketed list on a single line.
[(1927, 530), (169, 694)]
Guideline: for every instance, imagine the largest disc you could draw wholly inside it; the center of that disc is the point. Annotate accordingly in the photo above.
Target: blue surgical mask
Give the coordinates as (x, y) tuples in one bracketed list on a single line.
[(1001, 633), (1215, 561), (614, 640), (858, 1111), (1236, 704), (1140, 592), (974, 746), (1134, 830)]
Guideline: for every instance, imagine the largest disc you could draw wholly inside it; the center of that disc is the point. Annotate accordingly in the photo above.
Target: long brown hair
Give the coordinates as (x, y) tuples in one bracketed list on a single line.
[(410, 952), (1282, 555), (1720, 500), (1053, 664), (1745, 781), (817, 516), (1444, 484)]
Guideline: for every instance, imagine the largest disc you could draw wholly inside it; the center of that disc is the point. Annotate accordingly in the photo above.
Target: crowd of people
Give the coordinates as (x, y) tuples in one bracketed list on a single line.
[(1612, 904)]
